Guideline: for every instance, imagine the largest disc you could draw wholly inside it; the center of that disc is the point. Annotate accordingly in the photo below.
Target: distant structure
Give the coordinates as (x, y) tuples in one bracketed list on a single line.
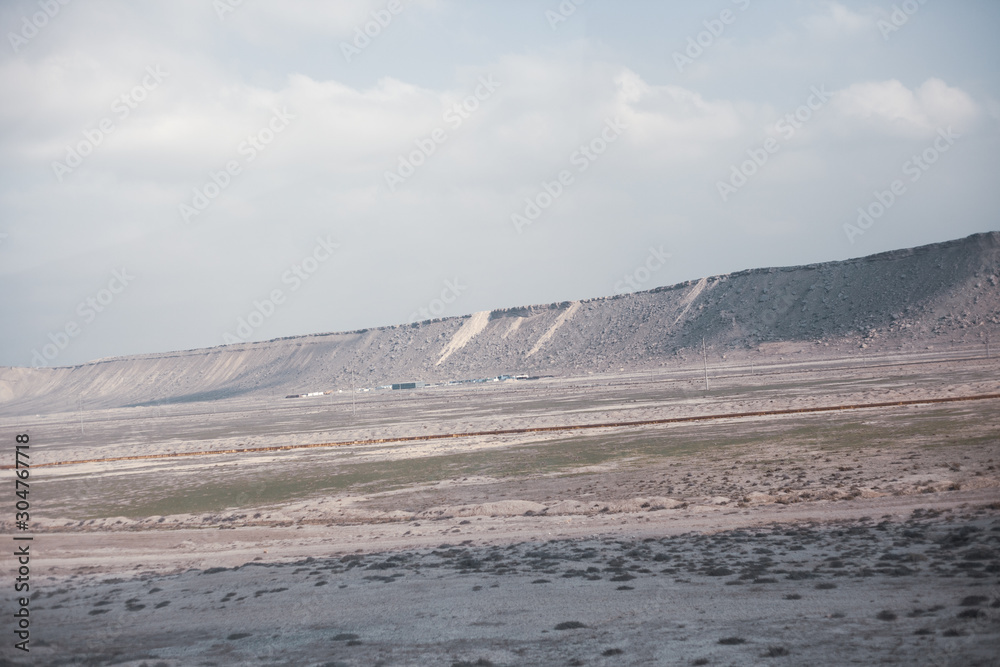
[(408, 385), (310, 394)]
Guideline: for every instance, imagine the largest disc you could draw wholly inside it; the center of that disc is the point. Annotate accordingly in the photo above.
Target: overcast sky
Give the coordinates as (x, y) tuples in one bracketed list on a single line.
[(171, 168)]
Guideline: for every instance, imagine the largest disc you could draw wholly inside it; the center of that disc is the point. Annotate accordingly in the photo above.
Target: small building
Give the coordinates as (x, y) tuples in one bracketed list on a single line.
[(409, 385)]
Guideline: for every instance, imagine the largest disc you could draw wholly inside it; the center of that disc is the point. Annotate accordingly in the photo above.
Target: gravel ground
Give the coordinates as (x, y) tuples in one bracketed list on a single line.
[(871, 590), (843, 538)]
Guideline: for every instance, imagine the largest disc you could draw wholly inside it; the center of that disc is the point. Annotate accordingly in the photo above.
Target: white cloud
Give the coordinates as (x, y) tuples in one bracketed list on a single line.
[(837, 20), (945, 105), (890, 107), (264, 22), (672, 121)]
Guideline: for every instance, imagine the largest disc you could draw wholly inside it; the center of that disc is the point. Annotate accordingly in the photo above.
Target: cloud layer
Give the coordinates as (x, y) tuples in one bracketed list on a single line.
[(205, 151)]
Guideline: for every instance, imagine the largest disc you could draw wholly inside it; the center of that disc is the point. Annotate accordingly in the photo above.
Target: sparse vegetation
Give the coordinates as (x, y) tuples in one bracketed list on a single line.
[(973, 600), (570, 625)]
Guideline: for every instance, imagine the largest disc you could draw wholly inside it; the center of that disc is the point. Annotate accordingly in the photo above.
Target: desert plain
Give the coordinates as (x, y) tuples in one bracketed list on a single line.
[(862, 535)]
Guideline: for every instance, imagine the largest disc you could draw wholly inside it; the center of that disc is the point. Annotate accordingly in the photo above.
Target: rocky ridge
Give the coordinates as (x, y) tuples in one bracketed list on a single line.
[(944, 294)]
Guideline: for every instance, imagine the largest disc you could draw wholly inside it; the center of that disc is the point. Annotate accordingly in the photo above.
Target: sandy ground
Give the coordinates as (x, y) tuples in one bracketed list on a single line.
[(862, 537), (802, 585)]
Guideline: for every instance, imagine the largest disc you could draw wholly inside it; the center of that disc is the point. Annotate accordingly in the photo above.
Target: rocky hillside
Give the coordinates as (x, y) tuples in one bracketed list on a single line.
[(943, 294)]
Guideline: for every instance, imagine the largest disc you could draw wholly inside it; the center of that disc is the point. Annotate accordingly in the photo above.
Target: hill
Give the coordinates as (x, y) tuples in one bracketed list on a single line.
[(940, 295)]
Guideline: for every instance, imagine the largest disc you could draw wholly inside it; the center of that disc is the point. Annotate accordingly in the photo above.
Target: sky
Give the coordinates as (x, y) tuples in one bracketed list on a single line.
[(187, 174)]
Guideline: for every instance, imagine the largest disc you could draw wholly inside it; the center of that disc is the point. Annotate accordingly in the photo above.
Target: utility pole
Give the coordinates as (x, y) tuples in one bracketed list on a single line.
[(987, 344), (354, 412), (704, 356)]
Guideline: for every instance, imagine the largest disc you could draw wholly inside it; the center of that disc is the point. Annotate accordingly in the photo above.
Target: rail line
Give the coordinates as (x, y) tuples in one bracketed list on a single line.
[(532, 429)]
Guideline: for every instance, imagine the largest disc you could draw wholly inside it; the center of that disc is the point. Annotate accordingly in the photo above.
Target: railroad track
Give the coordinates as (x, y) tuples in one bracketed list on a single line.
[(534, 429)]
